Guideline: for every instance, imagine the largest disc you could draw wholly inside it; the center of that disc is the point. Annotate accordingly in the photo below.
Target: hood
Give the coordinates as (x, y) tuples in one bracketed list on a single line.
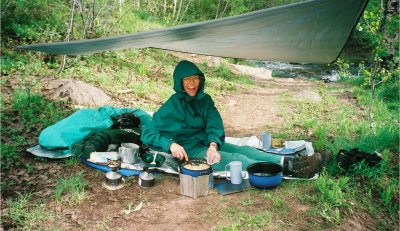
[(184, 69)]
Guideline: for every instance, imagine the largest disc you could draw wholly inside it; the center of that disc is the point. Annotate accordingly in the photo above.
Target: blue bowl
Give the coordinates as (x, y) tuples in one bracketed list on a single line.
[(265, 175)]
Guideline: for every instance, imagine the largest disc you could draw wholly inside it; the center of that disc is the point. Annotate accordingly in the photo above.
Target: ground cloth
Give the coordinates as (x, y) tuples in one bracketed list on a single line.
[(171, 164)]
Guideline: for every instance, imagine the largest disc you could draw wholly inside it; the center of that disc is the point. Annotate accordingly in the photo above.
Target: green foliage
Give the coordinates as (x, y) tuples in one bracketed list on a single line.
[(27, 114), (379, 28), (71, 190), (331, 191), (333, 195), (250, 222), (336, 125), (41, 20), (24, 215)]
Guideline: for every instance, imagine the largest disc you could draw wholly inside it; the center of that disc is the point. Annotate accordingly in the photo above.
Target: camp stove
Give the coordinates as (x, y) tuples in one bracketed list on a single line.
[(113, 179)]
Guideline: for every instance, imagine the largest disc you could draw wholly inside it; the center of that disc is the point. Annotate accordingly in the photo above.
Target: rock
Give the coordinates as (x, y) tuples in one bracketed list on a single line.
[(308, 95), (74, 91), (254, 72)]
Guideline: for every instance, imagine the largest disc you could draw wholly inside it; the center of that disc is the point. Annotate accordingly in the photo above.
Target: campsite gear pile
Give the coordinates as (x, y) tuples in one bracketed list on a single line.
[(195, 178), (105, 140)]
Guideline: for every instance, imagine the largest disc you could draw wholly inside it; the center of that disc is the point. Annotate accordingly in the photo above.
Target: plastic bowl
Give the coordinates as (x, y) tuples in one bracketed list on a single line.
[(148, 158), (265, 175)]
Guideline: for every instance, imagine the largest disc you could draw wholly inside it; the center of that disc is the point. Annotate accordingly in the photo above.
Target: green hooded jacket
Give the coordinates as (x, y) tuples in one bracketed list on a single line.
[(188, 121)]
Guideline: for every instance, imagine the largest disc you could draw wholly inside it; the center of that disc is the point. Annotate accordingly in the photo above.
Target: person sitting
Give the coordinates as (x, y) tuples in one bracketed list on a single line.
[(188, 125)]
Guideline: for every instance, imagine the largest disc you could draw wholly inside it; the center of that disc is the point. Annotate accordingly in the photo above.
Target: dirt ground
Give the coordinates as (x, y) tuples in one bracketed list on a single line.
[(246, 112)]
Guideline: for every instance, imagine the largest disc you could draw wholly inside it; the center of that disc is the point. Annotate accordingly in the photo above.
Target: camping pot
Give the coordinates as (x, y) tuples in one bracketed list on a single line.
[(265, 175), (196, 167), (146, 179), (113, 178)]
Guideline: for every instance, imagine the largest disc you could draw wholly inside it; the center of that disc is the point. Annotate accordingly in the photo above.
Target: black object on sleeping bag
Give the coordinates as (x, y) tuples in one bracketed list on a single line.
[(126, 120), (345, 159), (98, 142)]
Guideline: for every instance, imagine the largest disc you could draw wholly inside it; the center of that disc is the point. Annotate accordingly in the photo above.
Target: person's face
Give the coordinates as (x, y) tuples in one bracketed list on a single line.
[(191, 84)]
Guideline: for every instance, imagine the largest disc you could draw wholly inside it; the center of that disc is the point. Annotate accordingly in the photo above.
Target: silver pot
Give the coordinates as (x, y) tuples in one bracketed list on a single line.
[(113, 178), (146, 179)]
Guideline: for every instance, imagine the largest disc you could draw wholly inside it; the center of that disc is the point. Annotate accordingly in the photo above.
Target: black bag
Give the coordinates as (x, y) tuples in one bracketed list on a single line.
[(126, 120), (99, 141), (345, 159)]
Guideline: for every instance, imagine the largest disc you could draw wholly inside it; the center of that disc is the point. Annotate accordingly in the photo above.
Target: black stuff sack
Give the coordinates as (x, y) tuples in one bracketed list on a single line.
[(126, 120), (345, 159)]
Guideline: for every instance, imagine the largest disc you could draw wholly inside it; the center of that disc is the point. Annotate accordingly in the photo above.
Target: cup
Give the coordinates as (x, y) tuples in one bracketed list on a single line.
[(235, 169), (266, 140), (129, 153)]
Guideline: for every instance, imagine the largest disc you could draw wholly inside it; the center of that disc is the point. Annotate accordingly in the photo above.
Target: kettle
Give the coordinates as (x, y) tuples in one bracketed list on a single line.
[(146, 178)]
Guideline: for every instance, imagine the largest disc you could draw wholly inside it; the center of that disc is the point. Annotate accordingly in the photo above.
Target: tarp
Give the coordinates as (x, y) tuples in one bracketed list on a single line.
[(307, 32)]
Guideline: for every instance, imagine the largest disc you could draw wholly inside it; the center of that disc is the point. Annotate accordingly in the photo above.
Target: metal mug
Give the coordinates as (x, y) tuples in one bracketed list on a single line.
[(266, 139), (235, 169), (129, 153)]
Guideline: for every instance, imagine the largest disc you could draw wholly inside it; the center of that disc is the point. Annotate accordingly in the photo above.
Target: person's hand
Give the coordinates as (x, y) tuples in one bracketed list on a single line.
[(212, 155), (178, 151)]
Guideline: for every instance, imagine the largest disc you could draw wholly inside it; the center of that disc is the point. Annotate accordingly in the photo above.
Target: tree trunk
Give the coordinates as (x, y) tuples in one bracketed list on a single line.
[(372, 100), (179, 11), (219, 4), (165, 8), (174, 11), (223, 11), (70, 24), (186, 8)]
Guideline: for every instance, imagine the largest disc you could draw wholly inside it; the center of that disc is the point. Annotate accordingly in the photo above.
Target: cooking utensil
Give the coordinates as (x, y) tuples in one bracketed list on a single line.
[(235, 170), (196, 167), (265, 175), (149, 158), (154, 159), (146, 179), (113, 179)]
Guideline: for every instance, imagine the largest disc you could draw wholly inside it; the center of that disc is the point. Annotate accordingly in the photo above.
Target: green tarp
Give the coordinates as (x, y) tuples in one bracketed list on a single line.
[(307, 32)]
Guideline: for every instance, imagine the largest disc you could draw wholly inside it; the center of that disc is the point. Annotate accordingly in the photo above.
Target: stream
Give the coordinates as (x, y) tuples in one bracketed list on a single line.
[(326, 72)]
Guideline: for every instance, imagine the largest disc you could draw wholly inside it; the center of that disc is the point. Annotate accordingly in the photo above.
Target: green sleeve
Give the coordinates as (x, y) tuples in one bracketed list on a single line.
[(214, 127), (152, 138)]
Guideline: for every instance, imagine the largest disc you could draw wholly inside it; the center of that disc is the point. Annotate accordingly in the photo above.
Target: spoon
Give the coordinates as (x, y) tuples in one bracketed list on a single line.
[(154, 159)]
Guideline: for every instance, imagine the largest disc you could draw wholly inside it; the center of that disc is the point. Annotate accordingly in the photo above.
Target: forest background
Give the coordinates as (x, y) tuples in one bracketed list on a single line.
[(369, 70)]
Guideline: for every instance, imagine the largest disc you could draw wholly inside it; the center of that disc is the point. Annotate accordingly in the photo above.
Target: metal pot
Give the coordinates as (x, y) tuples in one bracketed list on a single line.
[(265, 175), (113, 178), (196, 167), (146, 179)]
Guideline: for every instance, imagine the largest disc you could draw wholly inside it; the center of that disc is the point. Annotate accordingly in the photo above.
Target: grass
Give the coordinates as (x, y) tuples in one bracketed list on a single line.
[(25, 215), (71, 190), (24, 113), (336, 125)]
